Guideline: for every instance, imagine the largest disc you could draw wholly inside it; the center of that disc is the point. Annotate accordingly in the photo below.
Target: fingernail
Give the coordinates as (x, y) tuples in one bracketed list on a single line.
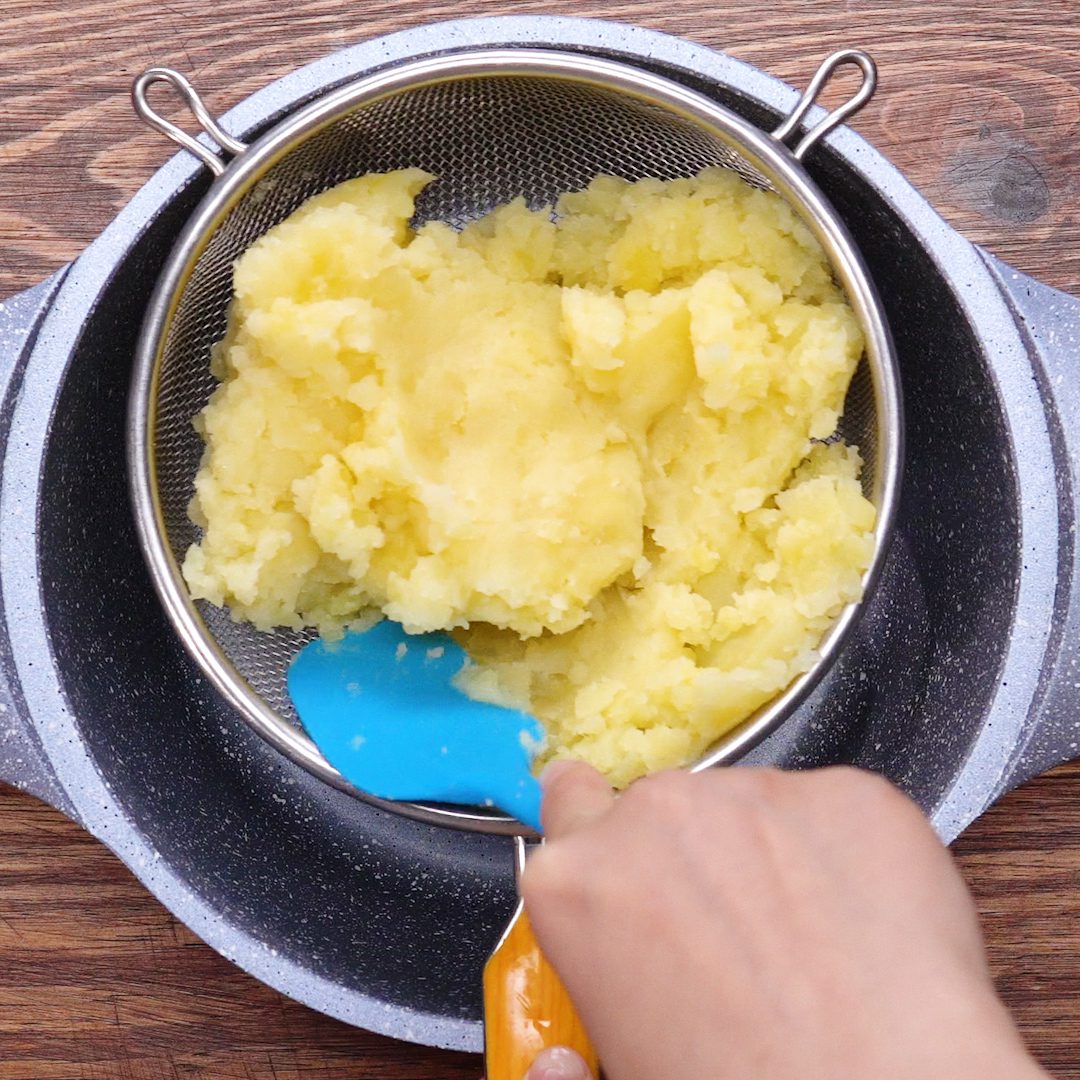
[(552, 770), (559, 1063)]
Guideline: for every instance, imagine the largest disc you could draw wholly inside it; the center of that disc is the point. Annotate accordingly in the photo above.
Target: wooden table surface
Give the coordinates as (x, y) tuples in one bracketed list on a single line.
[(979, 104)]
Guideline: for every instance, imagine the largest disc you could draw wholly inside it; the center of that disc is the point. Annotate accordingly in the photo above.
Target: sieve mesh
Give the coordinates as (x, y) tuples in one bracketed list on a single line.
[(487, 140)]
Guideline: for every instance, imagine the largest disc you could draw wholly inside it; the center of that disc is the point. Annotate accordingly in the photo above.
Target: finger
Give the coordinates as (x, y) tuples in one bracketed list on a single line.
[(559, 1063), (575, 795)]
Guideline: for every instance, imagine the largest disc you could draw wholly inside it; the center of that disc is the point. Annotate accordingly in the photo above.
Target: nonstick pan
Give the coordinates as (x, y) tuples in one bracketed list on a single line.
[(957, 683)]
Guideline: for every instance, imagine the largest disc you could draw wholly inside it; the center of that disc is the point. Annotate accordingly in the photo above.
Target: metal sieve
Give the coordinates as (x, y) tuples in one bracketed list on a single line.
[(491, 125)]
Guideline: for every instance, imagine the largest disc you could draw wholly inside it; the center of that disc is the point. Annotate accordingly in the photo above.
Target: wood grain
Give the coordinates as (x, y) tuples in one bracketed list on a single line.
[(979, 105)]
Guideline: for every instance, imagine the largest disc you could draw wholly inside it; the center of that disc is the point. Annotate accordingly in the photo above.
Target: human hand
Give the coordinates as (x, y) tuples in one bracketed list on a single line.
[(750, 923)]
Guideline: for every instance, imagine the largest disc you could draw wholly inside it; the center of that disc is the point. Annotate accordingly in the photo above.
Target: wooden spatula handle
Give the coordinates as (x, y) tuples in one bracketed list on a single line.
[(526, 1006)]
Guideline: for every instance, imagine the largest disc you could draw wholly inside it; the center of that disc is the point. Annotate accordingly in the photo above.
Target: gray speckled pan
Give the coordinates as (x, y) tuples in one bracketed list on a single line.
[(961, 679)]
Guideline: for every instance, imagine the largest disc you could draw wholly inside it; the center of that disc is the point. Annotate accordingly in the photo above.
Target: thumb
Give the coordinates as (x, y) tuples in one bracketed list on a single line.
[(559, 1063), (575, 795)]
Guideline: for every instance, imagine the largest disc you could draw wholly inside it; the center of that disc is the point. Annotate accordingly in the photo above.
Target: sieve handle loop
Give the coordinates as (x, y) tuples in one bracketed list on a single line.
[(190, 97), (862, 60)]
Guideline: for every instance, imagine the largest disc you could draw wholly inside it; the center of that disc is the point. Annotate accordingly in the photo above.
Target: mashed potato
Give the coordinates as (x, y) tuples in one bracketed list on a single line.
[(589, 444)]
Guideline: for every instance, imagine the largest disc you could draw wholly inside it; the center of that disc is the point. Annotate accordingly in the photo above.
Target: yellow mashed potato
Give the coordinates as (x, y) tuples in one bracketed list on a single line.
[(585, 443)]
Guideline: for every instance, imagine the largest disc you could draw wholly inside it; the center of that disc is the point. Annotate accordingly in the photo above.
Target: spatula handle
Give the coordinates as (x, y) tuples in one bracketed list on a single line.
[(526, 1006)]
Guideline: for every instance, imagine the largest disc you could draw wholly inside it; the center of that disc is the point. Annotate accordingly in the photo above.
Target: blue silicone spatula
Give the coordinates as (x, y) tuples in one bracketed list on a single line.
[(382, 708)]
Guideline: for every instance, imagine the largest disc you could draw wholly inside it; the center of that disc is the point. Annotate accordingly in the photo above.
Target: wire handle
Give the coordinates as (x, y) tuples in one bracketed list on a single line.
[(190, 96), (862, 60)]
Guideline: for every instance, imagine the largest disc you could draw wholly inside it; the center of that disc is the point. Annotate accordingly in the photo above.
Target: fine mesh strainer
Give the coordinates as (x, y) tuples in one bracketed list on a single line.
[(491, 125)]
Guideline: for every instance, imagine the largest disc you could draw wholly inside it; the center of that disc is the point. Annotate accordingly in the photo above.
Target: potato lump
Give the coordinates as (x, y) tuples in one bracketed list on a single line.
[(594, 443)]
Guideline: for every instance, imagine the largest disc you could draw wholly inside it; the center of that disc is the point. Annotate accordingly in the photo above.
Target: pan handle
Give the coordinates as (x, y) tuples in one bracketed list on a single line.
[(526, 1006), (23, 763), (22, 760), (1050, 322)]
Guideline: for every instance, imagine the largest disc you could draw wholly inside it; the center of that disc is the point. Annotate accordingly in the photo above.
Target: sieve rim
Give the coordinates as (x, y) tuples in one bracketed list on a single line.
[(764, 151)]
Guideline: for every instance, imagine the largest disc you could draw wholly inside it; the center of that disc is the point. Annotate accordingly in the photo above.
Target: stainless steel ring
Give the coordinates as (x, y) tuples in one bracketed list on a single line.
[(768, 157)]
